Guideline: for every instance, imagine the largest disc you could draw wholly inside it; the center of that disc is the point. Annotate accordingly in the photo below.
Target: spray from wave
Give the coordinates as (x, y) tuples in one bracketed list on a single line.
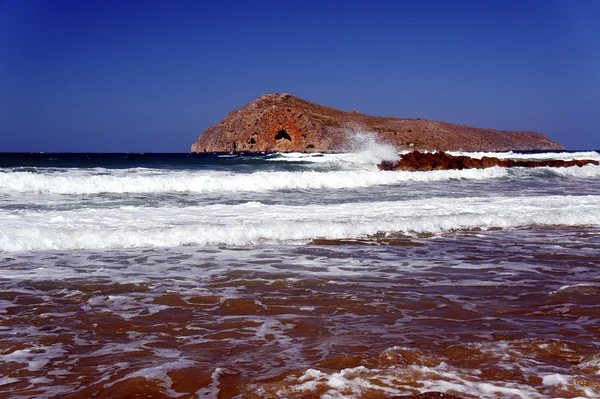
[(366, 147)]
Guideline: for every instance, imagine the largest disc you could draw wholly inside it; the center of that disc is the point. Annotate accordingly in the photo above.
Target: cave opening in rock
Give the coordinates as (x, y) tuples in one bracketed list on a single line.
[(283, 135)]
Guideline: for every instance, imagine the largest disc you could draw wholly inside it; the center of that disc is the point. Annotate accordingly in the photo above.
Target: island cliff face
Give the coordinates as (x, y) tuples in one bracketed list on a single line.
[(285, 123)]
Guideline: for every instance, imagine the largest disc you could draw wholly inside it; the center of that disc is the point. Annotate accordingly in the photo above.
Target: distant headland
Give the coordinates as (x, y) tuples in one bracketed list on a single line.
[(285, 123)]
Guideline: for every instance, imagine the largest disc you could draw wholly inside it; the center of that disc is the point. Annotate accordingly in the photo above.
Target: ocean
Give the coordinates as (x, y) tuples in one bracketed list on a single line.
[(296, 276)]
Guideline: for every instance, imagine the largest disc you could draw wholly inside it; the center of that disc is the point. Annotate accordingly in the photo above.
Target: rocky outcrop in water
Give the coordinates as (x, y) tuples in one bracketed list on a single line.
[(285, 123), (419, 161)]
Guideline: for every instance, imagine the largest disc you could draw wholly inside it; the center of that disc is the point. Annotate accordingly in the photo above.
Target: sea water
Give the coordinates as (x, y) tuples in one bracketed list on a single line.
[(297, 275)]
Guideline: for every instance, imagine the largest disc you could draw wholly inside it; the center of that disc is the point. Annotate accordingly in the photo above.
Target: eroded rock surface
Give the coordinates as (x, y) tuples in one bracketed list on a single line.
[(285, 123), (419, 161)]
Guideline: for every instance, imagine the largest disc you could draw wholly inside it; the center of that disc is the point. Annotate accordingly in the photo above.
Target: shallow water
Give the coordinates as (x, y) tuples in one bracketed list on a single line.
[(480, 313), (482, 285)]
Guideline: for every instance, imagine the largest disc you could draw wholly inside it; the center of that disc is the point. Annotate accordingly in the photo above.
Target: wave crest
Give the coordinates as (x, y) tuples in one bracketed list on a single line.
[(254, 222), (213, 182)]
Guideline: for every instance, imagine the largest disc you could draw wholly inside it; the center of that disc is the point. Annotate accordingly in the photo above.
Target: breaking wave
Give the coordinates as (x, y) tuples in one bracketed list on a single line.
[(155, 181), (254, 222), (149, 181)]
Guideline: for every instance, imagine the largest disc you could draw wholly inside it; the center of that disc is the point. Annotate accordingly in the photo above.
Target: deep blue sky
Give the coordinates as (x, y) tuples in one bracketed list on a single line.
[(150, 76)]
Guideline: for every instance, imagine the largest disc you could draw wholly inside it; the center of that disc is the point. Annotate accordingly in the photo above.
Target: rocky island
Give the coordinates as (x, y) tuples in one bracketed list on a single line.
[(285, 123)]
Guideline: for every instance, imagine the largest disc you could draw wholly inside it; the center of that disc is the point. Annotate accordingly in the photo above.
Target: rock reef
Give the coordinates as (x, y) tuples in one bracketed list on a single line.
[(285, 123), (419, 161)]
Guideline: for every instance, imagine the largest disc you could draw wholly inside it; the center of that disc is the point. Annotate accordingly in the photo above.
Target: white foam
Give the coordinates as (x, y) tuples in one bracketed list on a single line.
[(583, 172), (36, 357), (566, 156), (212, 391), (78, 182), (305, 157), (5, 380), (352, 382), (253, 222), (388, 152), (555, 379), (395, 380)]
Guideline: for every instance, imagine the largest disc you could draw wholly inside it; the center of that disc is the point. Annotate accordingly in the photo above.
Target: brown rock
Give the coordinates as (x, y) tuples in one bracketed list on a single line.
[(284, 123), (419, 161)]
